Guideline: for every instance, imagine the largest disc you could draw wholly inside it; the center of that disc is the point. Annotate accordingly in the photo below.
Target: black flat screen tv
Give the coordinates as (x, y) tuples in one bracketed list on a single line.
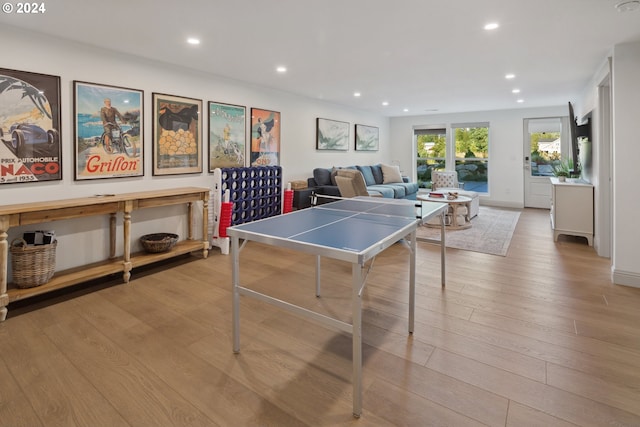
[(575, 133)]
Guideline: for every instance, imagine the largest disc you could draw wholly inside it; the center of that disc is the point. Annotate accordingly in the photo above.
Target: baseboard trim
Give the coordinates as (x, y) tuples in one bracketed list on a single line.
[(625, 278), (501, 204)]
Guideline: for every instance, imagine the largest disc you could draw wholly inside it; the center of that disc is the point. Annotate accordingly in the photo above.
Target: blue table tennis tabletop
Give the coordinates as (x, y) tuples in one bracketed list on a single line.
[(353, 230), (349, 229)]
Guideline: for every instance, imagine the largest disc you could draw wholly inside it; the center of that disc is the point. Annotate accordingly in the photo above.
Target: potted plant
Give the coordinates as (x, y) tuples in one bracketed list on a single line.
[(562, 170)]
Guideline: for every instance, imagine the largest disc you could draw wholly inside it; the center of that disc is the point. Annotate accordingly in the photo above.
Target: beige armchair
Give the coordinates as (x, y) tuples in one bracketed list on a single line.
[(351, 183), (445, 180)]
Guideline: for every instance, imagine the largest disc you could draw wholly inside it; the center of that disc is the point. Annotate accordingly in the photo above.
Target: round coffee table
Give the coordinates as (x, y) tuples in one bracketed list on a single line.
[(454, 205)]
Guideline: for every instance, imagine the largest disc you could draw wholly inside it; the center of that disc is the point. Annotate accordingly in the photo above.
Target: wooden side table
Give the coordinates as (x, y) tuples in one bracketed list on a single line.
[(454, 206)]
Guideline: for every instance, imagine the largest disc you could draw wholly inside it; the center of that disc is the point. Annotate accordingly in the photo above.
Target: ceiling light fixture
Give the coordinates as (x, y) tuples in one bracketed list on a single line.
[(406, 110), (491, 26), (281, 69), (356, 94), (515, 91), (193, 40), (385, 103), (627, 5), (520, 101), (510, 76)]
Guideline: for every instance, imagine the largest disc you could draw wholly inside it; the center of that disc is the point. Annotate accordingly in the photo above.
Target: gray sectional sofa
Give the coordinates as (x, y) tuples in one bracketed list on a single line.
[(380, 179)]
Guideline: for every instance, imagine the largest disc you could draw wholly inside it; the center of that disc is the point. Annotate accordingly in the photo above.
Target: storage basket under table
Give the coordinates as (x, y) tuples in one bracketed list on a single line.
[(32, 265)]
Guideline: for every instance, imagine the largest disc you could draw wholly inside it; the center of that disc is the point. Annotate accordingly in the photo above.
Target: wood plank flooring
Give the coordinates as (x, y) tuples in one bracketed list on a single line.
[(540, 337)]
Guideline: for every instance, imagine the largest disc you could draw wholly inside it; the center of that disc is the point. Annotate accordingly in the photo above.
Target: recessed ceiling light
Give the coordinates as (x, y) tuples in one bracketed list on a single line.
[(515, 91), (356, 94), (520, 101), (281, 69), (510, 76), (193, 40), (385, 103), (406, 110), (491, 26)]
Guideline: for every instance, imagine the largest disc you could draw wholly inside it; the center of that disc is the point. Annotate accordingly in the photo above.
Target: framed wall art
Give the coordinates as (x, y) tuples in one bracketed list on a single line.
[(332, 135), (30, 147), (108, 131), (177, 135), (265, 137), (367, 138), (227, 135)]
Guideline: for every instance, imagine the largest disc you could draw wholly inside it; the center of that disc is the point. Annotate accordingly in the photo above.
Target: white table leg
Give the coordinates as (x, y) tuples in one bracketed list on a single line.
[(235, 273), (356, 337), (412, 282), (443, 254)]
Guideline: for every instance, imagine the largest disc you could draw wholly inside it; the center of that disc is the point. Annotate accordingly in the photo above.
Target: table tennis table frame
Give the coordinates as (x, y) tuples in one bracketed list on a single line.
[(358, 261)]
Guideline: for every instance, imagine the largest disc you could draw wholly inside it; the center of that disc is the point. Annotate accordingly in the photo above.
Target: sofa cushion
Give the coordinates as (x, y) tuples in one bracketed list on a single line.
[(367, 174), (399, 191), (376, 170), (385, 190), (391, 174), (322, 176)]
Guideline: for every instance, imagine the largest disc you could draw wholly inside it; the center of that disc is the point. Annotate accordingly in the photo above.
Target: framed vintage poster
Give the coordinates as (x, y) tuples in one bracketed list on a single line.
[(227, 135), (367, 138), (109, 139), (265, 137), (177, 135), (332, 135), (30, 147)]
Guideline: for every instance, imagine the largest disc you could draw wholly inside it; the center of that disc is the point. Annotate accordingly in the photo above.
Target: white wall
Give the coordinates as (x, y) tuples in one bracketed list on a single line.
[(506, 153), (626, 157), (78, 243)]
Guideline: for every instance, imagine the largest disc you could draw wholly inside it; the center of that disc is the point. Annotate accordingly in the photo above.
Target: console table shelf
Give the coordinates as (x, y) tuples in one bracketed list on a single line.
[(112, 205)]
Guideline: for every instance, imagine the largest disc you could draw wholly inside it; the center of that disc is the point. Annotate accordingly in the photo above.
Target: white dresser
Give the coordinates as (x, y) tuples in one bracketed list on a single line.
[(572, 209)]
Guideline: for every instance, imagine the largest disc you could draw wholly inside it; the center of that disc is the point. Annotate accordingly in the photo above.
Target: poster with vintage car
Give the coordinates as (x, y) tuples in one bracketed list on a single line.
[(177, 135), (30, 148), (108, 131)]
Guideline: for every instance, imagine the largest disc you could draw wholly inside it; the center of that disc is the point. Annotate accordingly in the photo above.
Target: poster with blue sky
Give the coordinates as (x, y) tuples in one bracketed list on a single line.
[(227, 135), (108, 131)]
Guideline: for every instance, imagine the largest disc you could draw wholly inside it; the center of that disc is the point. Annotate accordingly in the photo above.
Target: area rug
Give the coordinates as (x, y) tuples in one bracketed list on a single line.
[(490, 233)]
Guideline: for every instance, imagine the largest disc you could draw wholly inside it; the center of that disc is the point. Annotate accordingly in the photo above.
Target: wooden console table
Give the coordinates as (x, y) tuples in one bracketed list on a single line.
[(39, 212)]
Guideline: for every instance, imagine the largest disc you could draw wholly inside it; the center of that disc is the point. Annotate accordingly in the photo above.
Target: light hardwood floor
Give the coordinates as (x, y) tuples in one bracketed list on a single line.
[(537, 338)]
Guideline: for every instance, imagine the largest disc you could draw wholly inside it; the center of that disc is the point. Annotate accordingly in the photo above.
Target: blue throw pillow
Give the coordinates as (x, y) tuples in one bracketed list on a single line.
[(322, 176), (376, 170), (367, 174)]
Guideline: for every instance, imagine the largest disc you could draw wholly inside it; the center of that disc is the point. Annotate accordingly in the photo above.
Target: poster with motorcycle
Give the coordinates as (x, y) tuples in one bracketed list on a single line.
[(108, 132), (30, 149)]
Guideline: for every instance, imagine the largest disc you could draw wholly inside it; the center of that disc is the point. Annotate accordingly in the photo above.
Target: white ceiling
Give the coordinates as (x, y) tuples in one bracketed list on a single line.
[(424, 55)]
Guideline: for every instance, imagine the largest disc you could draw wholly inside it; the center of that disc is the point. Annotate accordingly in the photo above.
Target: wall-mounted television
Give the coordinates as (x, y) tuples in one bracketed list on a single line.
[(576, 132)]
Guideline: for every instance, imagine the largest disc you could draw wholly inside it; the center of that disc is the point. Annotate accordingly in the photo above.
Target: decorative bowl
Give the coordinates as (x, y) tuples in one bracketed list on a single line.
[(158, 242)]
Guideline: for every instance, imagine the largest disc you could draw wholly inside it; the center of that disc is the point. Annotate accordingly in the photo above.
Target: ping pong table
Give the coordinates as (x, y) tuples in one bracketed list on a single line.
[(353, 230)]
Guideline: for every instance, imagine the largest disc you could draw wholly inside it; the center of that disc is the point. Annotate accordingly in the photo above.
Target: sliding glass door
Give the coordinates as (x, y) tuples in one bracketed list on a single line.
[(431, 148), (471, 144), (461, 147)]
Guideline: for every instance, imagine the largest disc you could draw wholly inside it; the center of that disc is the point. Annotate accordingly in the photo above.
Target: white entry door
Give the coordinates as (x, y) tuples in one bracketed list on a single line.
[(544, 141)]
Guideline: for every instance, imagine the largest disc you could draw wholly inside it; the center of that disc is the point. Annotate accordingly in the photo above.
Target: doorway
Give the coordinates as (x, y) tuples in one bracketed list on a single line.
[(545, 141)]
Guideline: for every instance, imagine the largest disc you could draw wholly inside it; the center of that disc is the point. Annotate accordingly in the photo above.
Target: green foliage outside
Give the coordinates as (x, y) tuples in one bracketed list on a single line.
[(472, 152)]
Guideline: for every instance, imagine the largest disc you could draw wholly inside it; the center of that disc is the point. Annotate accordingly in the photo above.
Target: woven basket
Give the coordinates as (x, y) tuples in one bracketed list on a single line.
[(158, 242), (32, 265)]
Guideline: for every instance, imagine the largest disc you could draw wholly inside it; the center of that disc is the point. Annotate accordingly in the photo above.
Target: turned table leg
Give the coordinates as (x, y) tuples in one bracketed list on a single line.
[(4, 258), (127, 241)]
